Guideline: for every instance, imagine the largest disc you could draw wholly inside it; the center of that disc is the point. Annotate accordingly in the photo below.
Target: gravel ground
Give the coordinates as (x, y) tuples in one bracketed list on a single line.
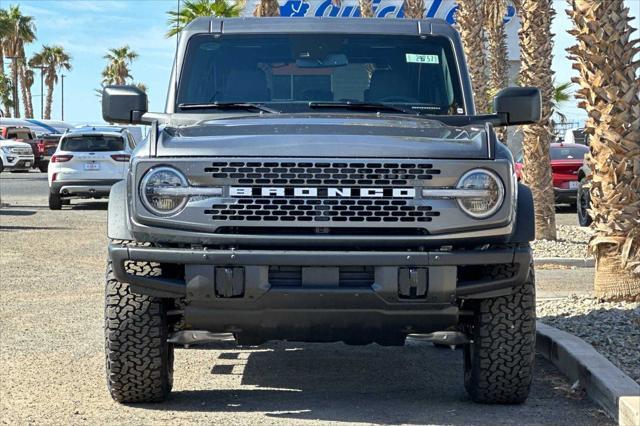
[(52, 351), (613, 328), (572, 243)]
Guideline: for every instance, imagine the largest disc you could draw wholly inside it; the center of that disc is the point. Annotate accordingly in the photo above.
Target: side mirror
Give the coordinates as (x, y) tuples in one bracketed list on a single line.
[(518, 105), (123, 104)]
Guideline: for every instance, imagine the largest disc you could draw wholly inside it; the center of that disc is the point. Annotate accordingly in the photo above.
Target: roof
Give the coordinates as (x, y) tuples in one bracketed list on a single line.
[(568, 145), (252, 25), (96, 129)]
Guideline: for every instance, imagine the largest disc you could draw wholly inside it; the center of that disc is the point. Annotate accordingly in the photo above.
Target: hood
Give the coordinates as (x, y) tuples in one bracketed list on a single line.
[(9, 143), (314, 135)]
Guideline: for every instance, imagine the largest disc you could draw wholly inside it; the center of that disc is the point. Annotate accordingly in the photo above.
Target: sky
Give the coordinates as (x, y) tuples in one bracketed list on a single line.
[(87, 29)]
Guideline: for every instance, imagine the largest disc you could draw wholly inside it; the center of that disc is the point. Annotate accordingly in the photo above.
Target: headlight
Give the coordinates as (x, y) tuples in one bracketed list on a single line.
[(481, 206), (6, 149), (160, 192)]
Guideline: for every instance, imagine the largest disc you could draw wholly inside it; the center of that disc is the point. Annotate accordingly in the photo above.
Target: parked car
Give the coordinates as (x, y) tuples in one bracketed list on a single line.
[(576, 136), (15, 156), (566, 160), (87, 162), (583, 203), (42, 146)]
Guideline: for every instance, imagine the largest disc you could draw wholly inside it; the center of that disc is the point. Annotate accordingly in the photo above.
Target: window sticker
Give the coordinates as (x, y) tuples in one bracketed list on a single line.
[(416, 58)]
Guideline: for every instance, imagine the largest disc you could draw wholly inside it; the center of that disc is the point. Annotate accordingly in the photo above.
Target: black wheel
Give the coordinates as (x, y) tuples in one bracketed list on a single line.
[(139, 359), (498, 363), (55, 202), (1, 165), (582, 205), (43, 166)]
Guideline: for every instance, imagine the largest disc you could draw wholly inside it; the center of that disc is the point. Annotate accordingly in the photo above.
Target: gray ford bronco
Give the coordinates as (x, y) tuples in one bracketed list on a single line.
[(320, 180)]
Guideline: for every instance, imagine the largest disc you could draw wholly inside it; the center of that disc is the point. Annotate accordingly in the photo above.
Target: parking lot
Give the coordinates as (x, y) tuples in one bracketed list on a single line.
[(52, 364)]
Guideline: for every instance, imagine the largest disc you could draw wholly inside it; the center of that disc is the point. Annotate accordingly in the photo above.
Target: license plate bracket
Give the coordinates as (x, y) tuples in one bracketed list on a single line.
[(91, 166)]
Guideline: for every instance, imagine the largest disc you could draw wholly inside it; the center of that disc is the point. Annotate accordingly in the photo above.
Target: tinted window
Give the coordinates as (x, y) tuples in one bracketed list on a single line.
[(19, 134), (92, 143), (568, 153), (291, 70)]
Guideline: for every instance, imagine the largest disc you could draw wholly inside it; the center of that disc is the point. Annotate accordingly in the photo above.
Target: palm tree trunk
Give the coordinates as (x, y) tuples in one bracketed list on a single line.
[(49, 100), (413, 9), (267, 8), (469, 18), (366, 8), (15, 68), (494, 13), (610, 90), (536, 55), (4, 97), (26, 91)]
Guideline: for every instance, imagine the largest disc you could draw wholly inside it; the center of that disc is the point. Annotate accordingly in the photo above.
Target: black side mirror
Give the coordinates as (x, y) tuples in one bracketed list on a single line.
[(518, 105), (123, 104)]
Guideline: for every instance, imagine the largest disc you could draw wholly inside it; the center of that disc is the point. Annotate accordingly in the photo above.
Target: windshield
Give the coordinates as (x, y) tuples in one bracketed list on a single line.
[(287, 72), (93, 143), (568, 153)]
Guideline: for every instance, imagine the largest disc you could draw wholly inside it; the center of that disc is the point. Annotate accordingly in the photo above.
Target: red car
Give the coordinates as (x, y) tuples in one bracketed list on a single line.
[(43, 147), (566, 160)]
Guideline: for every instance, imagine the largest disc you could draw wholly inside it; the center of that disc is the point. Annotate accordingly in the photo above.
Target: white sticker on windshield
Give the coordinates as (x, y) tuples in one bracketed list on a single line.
[(416, 58)]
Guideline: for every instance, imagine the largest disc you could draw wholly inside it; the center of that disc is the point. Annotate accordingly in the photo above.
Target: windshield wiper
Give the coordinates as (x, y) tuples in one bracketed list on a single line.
[(365, 106), (228, 105)]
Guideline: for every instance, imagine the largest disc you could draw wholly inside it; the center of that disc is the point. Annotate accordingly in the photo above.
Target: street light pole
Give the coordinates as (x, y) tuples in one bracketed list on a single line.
[(41, 68), (62, 90)]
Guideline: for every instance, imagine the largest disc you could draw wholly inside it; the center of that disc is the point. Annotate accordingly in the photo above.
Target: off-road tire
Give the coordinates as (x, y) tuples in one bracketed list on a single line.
[(583, 202), (498, 362), (55, 202), (139, 360)]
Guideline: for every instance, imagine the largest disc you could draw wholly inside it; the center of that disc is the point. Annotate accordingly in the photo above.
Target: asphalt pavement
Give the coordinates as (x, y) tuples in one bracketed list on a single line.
[(52, 362)]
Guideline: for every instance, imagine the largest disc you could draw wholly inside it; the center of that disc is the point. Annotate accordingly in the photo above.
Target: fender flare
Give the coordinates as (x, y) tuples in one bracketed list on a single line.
[(525, 229), (118, 216)]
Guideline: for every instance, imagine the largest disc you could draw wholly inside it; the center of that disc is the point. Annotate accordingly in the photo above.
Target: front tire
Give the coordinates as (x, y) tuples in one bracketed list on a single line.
[(498, 363), (43, 166), (139, 359)]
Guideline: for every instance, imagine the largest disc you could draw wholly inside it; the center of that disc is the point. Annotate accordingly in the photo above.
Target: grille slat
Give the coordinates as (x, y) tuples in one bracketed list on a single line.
[(322, 208)]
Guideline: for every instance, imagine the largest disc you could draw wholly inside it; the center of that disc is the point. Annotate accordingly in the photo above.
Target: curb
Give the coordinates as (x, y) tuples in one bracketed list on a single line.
[(565, 261), (605, 384)]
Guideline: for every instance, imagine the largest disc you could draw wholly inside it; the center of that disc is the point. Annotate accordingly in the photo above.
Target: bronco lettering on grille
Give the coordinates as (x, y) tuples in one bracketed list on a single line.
[(321, 192)]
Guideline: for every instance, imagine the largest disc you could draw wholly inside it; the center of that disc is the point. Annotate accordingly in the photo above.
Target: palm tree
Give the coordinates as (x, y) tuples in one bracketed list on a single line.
[(267, 8), (54, 59), (5, 82), (562, 93), (366, 8), (610, 93), (469, 15), (413, 9), (19, 30), (117, 70), (536, 47), (494, 11), (192, 9), (27, 82)]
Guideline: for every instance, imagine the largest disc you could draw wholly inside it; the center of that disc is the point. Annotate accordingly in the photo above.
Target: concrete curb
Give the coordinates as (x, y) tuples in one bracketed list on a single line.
[(565, 261), (605, 384)]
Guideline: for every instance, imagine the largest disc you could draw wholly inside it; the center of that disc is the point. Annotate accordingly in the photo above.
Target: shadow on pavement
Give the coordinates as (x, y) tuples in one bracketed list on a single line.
[(32, 228), (91, 205), (415, 384), (5, 212)]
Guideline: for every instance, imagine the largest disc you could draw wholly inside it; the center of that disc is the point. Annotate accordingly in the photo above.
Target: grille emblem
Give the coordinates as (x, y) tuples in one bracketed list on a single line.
[(322, 192)]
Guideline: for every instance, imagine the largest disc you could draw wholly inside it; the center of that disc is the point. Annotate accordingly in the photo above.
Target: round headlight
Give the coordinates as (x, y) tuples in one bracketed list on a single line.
[(157, 194), (489, 198)]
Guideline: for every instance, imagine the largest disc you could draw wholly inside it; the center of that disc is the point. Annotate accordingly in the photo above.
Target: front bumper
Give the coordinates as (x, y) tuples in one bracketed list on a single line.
[(83, 188), (251, 304), (565, 195), (20, 163)]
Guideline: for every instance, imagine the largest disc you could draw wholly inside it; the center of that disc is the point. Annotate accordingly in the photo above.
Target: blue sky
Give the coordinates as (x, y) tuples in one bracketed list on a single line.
[(88, 28)]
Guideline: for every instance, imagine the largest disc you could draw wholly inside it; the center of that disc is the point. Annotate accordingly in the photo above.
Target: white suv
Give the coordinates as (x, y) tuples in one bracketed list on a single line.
[(15, 155), (88, 161)]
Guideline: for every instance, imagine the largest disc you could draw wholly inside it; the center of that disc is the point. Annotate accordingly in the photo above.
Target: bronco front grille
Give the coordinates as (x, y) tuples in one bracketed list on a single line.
[(322, 175)]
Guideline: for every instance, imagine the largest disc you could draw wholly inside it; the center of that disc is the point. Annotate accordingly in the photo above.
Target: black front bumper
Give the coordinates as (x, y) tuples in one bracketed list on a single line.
[(250, 304)]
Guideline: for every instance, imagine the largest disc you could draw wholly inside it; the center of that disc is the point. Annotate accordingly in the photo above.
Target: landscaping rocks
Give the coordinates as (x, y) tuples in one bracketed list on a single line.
[(612, 328), (571, 243)]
